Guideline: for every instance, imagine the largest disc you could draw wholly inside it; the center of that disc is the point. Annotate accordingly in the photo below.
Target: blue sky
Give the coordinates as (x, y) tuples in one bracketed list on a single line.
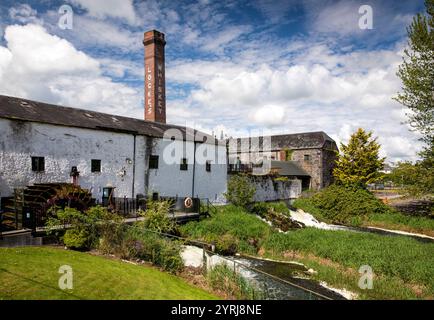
[(234, 66)]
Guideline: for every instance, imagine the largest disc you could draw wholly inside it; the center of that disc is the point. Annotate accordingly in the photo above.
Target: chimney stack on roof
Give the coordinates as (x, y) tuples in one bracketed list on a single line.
[(155, 82)]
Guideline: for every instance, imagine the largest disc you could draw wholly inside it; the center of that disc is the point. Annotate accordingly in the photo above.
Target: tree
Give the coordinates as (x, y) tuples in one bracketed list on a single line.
[(359, 162), (416, 179), (417, 75)]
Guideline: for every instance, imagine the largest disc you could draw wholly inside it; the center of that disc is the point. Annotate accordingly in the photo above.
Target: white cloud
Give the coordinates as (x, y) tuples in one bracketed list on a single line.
[(36, 51), (269, 115), (217, 42), (104, 34), (41, 66), (123, 9), (24, 13), (319, 90)]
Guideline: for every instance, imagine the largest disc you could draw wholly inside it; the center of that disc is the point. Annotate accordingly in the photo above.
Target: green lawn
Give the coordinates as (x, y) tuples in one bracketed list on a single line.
[(32, 273), (403, 267)]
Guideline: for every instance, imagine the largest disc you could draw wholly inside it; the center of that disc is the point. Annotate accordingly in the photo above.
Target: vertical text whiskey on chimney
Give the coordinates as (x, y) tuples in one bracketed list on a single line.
[(155, 83)]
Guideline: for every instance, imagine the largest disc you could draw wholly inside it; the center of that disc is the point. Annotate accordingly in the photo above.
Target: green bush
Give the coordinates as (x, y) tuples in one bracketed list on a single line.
[(345, 204), (76, 238), (84, 228), (156, 217), (240, 190), (149, 246)]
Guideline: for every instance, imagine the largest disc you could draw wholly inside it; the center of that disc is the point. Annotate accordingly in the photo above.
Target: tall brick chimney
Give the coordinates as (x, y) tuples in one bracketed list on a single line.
[(155, 82)]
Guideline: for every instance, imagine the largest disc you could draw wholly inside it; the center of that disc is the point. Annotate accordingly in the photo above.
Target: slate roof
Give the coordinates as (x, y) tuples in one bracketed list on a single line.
[(33, 111), (305, 140), (288, 168)]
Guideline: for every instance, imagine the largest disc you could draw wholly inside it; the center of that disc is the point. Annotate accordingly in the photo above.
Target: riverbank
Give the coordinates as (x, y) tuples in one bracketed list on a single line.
[(402, 266)]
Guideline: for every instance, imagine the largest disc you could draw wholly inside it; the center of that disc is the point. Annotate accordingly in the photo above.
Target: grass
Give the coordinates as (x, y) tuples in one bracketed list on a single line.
[(403, 267), (399, 221), (32, 273), (391, 220), (231, 223)]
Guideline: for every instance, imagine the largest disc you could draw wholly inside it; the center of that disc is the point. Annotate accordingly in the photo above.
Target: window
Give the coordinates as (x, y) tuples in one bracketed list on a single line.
[(153, 162), (38, 164), (208, 166), (306, 157), (95, 165), (184, 164)]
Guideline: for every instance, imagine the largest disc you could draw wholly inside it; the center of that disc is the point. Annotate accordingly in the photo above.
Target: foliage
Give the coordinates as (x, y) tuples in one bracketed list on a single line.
[(156, 217), (76, 238), (31, 273), (417, 75), (223, 278), (288, 154), (152, 247), (400, 263), (240, 190), (345, 204), (417, 179), (359, 162), (281, 178), (84, 228)]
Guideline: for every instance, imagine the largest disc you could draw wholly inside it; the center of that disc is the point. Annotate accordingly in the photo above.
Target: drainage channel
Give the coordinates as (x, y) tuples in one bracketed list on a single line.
[(276, 280)]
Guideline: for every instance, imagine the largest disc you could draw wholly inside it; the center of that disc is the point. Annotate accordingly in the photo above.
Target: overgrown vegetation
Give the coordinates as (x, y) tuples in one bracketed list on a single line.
[(156, 217), (223, 279), (240, 191), (358, 207), (97, 228), (232, 229), (149, 246), (84, 228), (402, 266), (343, 204), (401, 257)]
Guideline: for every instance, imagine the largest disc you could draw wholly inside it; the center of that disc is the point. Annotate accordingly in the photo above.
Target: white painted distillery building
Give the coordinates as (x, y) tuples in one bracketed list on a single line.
[(41, 143)]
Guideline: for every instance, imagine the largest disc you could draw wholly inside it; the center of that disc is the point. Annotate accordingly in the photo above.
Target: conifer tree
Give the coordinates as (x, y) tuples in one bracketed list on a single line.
[(359, 162)]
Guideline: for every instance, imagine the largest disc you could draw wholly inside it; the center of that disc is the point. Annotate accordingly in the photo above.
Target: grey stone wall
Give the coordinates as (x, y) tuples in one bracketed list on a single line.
[(313, 166), (269, 190)]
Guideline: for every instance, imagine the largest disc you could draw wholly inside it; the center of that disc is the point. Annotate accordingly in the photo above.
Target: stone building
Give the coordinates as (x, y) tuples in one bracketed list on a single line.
[(308, 156)]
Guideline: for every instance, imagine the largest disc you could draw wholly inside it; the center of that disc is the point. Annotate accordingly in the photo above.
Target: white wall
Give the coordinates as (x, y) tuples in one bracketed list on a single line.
[(64, 147), (169, 180)]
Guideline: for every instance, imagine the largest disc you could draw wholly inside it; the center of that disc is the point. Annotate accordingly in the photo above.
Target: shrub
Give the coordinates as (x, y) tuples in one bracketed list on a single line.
[(240, 190), (152, 247), (156, 217), (84, 228), (76, 238), (347, 204)]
